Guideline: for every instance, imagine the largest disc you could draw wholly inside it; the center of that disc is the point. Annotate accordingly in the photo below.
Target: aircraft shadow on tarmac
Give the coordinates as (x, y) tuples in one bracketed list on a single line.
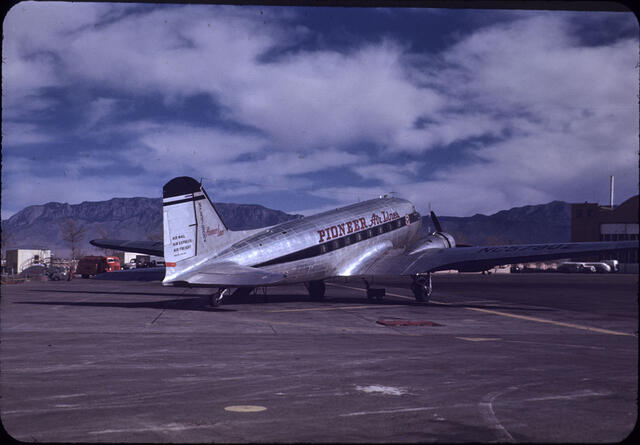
[(199, 302)]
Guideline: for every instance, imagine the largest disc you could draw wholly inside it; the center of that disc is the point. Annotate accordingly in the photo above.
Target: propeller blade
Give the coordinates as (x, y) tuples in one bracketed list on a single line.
[(436, 223)]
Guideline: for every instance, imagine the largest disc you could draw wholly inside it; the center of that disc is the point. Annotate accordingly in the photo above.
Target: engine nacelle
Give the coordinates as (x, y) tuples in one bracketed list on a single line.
[(436, 240)]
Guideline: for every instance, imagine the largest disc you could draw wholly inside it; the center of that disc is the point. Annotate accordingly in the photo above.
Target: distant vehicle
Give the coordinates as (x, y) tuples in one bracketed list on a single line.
[(156, 263), (575, 267), (57, 273), (600, 267), (37, 270), (113, 263), (93, 265)]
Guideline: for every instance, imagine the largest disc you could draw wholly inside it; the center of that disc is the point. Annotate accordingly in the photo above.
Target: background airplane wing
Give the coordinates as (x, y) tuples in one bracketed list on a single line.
[(155, 248), (478, 258)]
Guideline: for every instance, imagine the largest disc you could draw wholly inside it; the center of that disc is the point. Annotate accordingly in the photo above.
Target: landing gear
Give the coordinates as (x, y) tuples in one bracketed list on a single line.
[(374, 293), (216, 298), (421, 287), (316, 289)]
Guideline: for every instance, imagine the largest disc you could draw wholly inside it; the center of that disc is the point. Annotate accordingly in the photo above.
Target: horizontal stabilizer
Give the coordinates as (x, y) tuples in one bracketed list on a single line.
[(229, 275), (146, 247)]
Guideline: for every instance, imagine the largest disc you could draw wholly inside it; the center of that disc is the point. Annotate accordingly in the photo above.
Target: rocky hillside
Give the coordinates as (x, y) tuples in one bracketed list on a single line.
[(544, 223), (39, 226)]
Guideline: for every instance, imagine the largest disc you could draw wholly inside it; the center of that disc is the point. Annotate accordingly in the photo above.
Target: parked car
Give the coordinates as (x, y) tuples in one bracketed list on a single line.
[(91, 265)]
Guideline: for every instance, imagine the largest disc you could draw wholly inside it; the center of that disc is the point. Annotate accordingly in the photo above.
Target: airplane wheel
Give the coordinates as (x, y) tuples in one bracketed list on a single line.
[(216, 298), (421, 288), (316, 289)]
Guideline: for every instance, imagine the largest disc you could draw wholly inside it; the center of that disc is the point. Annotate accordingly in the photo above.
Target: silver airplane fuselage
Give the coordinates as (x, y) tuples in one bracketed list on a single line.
[(333, 243)]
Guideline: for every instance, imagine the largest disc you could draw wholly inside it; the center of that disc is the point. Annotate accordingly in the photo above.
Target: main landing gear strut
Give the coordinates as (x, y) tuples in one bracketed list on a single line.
[(421, 287), (216, 298)]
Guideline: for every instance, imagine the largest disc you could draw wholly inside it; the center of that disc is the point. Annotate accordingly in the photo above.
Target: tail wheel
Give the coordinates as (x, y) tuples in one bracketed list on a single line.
[(316, 289)]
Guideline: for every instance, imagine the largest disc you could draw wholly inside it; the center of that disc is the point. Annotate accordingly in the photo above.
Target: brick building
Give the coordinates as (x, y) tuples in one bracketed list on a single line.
[(593, 222)]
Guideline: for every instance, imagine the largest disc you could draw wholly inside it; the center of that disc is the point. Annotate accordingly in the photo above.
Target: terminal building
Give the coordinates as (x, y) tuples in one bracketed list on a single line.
[(593, 222)]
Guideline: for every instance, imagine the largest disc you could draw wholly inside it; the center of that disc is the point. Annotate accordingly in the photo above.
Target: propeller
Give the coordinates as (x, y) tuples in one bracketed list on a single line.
[(436, 223)]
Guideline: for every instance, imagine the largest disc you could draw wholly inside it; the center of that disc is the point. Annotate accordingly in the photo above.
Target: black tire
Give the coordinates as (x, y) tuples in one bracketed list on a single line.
[(421, 289), (418, 292)]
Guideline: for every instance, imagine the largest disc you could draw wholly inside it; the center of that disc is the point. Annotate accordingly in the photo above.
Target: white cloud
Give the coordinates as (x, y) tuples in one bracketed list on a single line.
[(558, 116)]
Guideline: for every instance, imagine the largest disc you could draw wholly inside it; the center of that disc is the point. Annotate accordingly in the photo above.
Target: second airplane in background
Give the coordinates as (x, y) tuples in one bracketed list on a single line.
[(372, 239)]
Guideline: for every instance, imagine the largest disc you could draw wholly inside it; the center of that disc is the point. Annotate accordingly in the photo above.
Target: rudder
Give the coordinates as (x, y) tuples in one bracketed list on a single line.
[(191, 224)]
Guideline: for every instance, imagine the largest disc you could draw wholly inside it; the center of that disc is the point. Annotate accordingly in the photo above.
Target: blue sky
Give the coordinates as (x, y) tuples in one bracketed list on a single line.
[(306, 109)]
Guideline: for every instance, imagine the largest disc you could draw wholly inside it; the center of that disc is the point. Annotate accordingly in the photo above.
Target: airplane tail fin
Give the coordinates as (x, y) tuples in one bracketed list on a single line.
[(191, 224)]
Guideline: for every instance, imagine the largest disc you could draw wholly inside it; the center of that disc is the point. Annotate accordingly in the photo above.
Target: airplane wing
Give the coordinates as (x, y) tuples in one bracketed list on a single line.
[(155, 248), (228, 274), (478, 258)]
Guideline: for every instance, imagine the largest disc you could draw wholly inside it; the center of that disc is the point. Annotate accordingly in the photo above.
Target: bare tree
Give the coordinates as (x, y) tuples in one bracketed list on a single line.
[(104, 233), (73, 232)]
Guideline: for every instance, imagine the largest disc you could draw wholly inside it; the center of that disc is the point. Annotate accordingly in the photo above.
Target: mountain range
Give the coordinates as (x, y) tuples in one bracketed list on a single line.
[(40, 226)]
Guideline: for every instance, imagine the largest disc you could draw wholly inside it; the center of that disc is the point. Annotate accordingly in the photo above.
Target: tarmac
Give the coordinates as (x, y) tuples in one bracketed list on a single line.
[(491, 358)]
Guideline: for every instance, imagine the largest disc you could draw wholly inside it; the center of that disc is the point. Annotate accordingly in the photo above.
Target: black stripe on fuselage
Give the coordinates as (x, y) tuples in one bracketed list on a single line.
[(339, 243), (180, 201)]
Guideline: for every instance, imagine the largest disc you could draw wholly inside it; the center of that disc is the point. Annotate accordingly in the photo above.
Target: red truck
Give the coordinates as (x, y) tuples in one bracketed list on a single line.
[(93, 265)]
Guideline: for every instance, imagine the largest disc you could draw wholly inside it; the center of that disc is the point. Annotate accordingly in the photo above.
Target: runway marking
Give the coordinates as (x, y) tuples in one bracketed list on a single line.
[(507, 314), (576, 395), (479, 338), (389, 390), (486, 409), (557, 323), (245, 408), (155, 428), (388, 411)]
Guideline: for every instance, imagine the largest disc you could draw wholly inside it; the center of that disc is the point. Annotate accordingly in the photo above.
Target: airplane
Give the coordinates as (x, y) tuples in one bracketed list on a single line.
[(369, 240)]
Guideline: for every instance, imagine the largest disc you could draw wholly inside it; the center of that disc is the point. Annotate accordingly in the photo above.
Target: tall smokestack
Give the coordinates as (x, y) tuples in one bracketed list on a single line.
[(611, 192)]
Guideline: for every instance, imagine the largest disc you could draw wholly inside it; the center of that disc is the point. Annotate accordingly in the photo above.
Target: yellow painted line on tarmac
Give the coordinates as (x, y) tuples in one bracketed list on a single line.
[(521, 317), (557, 323), (364, 290)]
